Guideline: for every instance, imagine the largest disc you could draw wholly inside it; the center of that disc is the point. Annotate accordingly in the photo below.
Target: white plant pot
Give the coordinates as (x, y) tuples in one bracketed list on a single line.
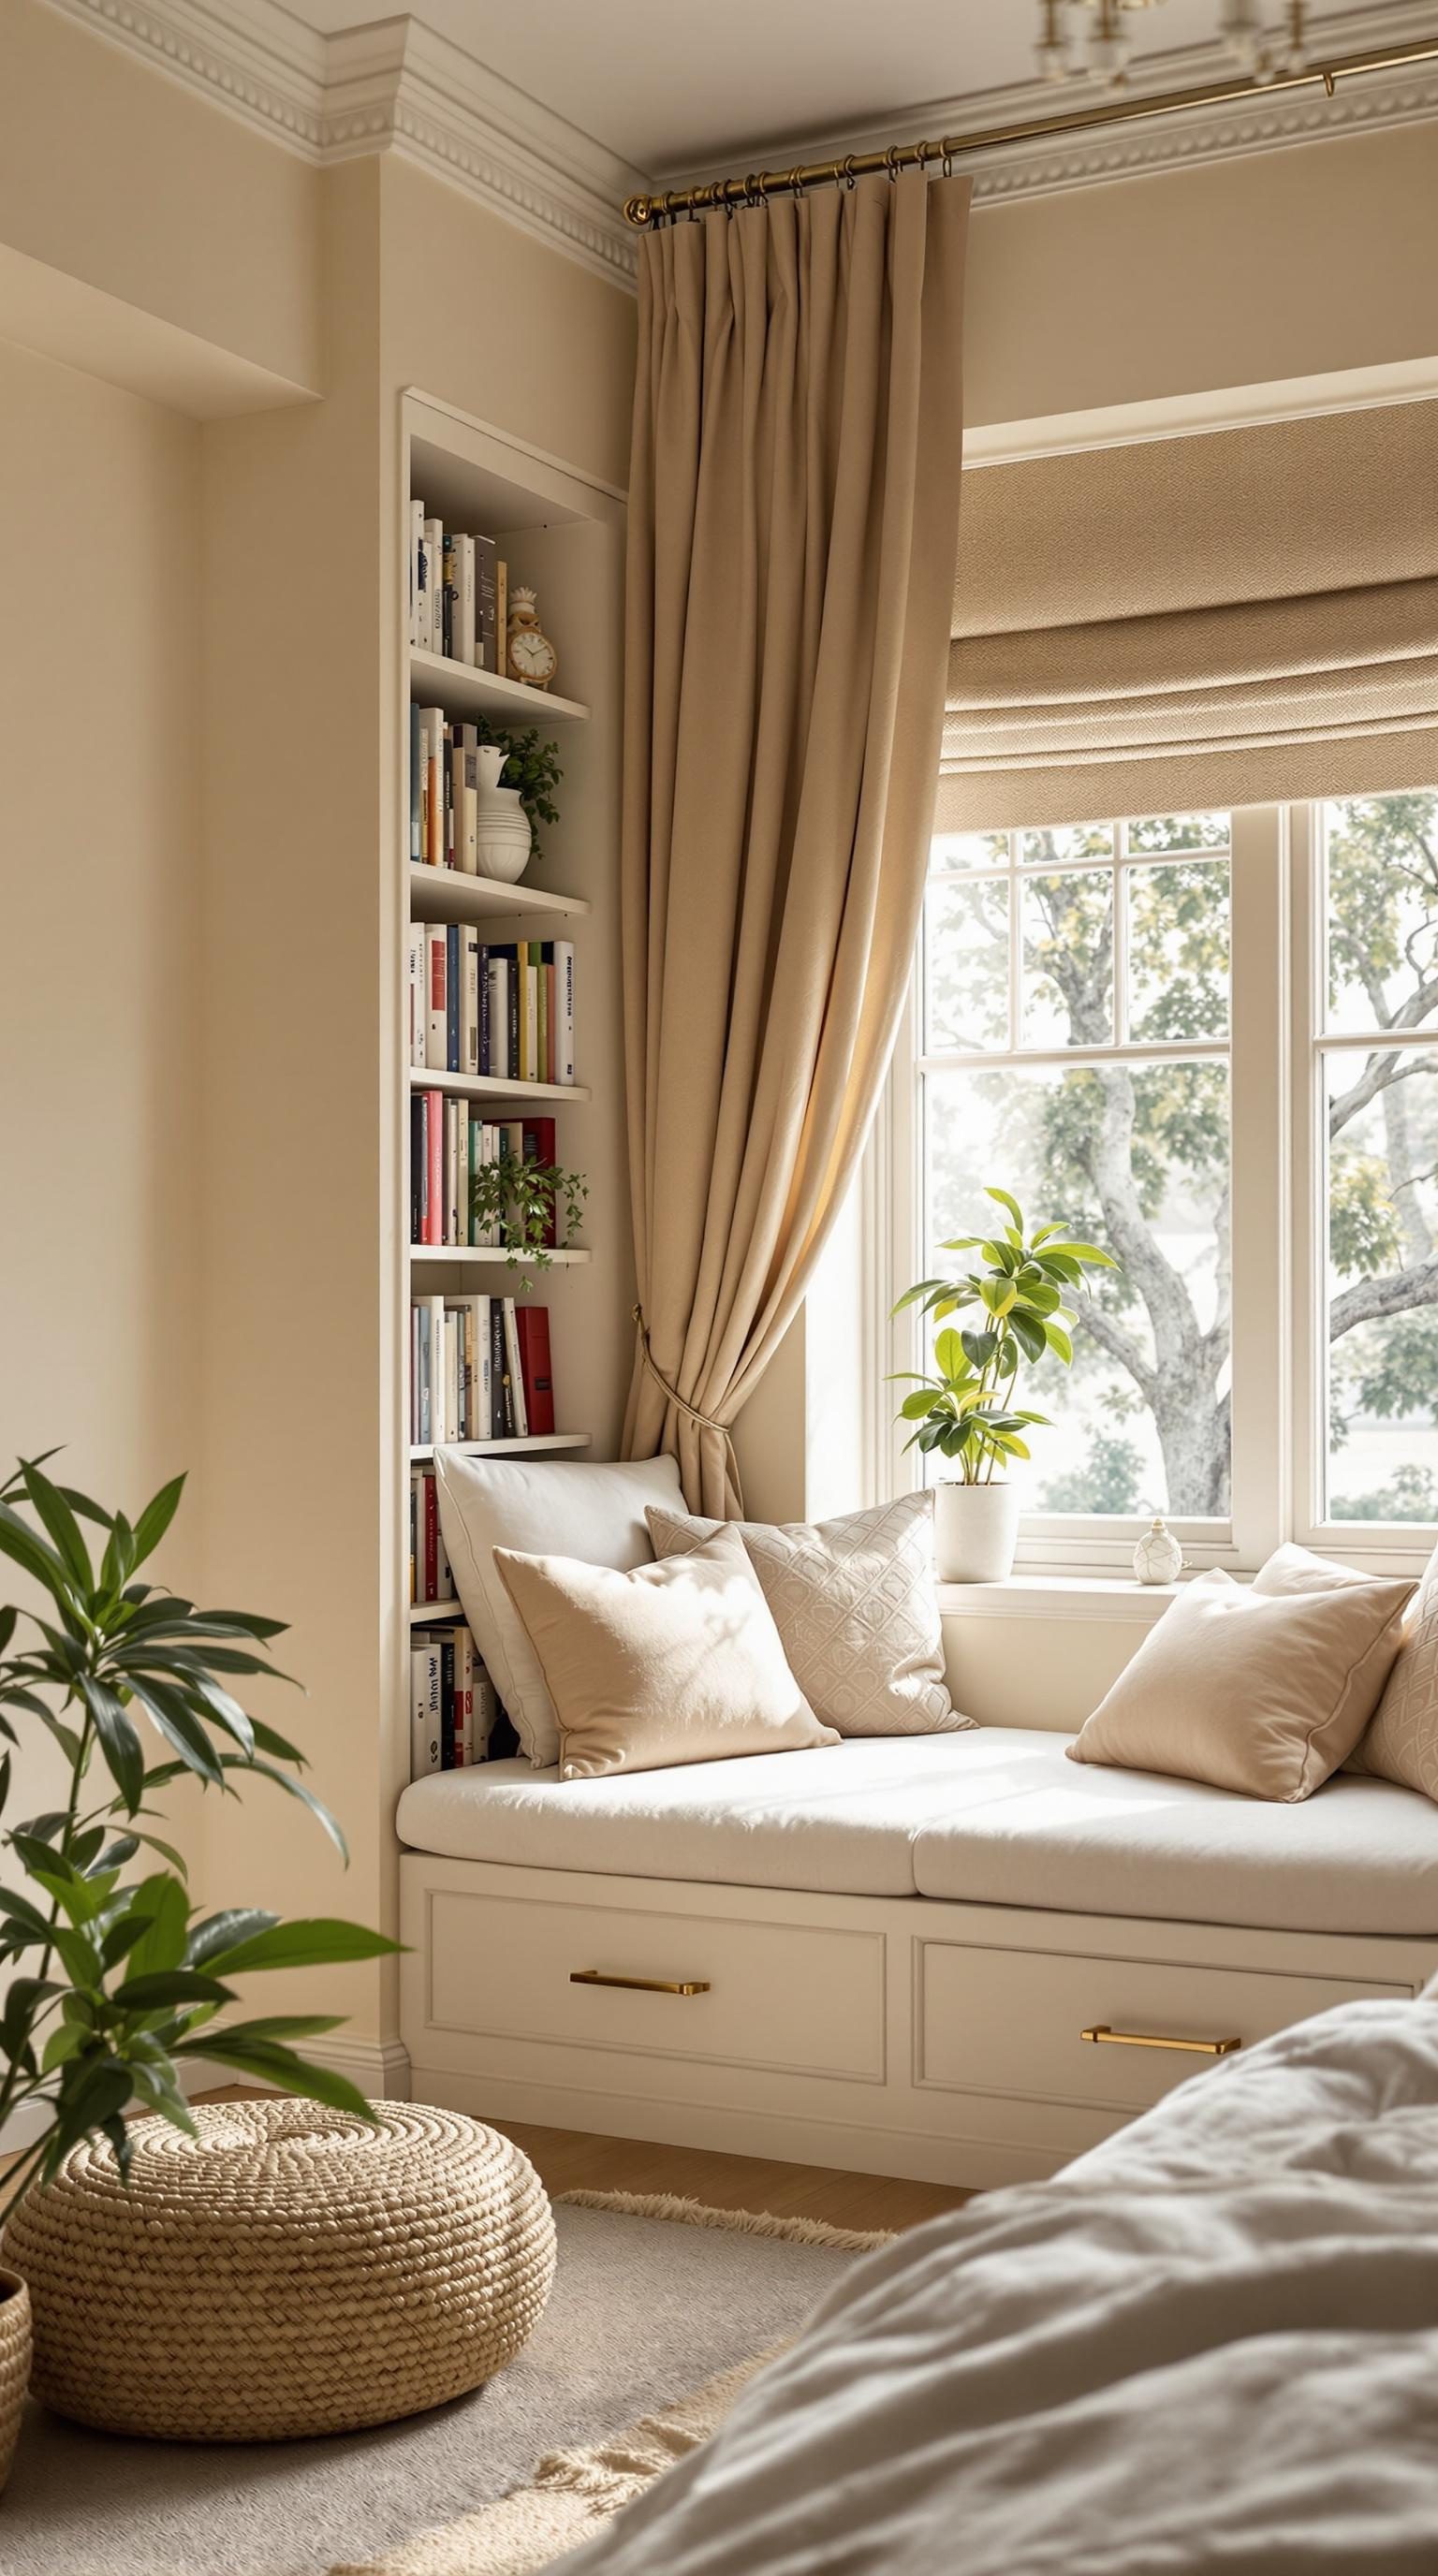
[(503, 852), (976, 1530)]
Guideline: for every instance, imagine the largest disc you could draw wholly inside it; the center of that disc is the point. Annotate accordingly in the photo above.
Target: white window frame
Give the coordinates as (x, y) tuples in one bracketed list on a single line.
[(1278, 1230)]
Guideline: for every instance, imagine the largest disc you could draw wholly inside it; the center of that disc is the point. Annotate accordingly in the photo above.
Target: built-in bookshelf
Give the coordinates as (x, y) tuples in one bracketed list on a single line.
[(561, 537)]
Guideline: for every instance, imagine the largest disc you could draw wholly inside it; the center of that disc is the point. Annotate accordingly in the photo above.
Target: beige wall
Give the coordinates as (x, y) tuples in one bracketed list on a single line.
[(117, 177), (100, 1001), (1306, 262)]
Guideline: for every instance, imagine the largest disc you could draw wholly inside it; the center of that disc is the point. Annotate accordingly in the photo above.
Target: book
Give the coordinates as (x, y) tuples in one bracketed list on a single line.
[(436, 979), (469, 1001), (532, 1330), (488, 632), (432, 723), (518, 1413), (501, 1405), (465, 599), (465, 1663), (426, 1750), (416, 784), (501, 612), (434, 588), (418, 604), (559, 953)]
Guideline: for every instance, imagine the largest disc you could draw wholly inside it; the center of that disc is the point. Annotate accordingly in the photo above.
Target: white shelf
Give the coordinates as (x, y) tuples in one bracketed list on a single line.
[(435, 680), (492, 1086), (495, 1252), (532, 1447), (447, 894), (421, 1612)]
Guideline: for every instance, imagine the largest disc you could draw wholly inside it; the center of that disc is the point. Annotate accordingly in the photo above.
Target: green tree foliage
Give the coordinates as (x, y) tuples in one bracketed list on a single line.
[(1138, 1156)]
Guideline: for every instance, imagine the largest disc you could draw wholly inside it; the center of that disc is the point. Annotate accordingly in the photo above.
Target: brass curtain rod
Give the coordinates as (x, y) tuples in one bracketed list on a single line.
[(642, 211)]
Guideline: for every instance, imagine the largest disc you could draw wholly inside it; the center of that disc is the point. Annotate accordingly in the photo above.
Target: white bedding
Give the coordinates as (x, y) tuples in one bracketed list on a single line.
[(1211, 2344)]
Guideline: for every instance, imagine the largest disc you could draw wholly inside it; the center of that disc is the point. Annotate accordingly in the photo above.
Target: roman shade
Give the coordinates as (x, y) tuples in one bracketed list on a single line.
[(1224, 619)]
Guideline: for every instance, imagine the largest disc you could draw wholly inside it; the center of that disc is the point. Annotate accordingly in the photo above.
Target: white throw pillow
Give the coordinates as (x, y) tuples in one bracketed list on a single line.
[(1402, 1742), (679, 1662), (548, 1507), (854, 1602)]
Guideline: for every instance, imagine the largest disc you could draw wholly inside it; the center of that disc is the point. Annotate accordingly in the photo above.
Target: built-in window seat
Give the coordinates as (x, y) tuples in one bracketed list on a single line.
[(936, 1955)]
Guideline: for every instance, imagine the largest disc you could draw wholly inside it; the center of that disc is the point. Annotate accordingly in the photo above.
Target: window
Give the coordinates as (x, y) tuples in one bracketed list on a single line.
[(1207, 1042)]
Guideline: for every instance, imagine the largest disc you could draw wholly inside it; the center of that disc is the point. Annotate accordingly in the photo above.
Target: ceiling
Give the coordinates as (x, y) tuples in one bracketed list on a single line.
[(681, 87)]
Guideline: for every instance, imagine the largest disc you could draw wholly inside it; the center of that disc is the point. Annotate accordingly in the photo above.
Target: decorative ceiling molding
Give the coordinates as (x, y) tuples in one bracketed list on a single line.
[(398, 86), (392, 86), (1045, 166)]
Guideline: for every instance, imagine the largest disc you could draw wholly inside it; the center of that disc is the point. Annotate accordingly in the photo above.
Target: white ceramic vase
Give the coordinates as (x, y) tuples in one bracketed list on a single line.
[(504, 835), (976, 1530), (1158, 1558)]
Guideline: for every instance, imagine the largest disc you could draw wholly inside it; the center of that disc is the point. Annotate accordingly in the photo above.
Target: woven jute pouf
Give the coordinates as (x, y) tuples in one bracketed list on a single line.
[(292, 2271), (14, 2363)]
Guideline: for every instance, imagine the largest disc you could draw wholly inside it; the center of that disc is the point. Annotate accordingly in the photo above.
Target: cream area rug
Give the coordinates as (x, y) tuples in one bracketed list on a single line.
[(651, 2297)]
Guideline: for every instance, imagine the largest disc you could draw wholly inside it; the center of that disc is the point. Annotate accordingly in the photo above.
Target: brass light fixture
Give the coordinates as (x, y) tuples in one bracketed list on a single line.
[(1095, 36)]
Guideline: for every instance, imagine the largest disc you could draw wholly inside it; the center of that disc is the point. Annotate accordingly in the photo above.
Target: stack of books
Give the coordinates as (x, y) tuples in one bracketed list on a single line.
[(454, 1714), (443, 791), (449, 1143), (504, 1008), (458, 593), (479, 1369)]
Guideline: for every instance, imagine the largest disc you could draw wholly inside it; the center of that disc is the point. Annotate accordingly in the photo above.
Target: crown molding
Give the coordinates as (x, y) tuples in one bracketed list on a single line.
[(391, 86), (1264, 123), (398, 86)]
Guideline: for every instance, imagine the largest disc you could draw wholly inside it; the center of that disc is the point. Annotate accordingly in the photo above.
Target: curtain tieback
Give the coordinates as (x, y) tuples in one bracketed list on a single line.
[(702, 1421)]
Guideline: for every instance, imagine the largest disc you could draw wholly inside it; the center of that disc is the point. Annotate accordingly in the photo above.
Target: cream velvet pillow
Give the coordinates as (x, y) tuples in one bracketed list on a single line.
[(1262, 1692), (676, 1662), (1402, 1742), (855, 1605)]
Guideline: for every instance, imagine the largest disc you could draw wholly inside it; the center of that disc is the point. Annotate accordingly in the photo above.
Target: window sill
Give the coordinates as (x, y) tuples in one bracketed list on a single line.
[(1120, 1600)]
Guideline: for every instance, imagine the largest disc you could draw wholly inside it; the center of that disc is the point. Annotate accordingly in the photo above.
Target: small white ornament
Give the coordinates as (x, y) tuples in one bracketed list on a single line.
[(1158, 1558)]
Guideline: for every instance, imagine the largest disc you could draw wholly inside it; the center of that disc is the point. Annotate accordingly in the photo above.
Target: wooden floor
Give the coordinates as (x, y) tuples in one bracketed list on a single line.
[(572, 2160)]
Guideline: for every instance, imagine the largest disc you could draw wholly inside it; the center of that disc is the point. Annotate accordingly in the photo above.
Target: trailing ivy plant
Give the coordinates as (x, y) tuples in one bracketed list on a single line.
[(966, 1411), (114, 1980), (533, 767), (521, 1200)]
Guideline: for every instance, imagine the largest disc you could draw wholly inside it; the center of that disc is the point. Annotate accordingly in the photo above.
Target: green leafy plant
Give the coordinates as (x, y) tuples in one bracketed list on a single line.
[(522, 1200), (533, 767), (114, 1982), (966, 1412)]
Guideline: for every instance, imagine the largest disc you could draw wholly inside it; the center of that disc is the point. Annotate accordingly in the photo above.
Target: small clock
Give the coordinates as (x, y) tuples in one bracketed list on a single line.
[(530, 655)]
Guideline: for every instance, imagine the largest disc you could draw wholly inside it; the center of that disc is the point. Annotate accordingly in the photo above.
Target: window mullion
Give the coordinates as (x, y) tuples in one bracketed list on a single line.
[(1259, 1213)]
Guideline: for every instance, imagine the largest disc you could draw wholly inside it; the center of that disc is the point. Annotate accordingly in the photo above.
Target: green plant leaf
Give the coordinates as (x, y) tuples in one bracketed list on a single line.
[(1058, 1341), (1004, 1201), (279, 2066), (162, 1898), (320, 1943), (170, 1986), (225, 1932), (59, 1523), (1028, 1333), (156, 1517)]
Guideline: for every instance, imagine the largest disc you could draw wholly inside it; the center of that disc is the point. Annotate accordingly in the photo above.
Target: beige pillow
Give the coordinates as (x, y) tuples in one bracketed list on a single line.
[(1402, 1742), (854, 1602), (676, 1662), (1261, 1692)]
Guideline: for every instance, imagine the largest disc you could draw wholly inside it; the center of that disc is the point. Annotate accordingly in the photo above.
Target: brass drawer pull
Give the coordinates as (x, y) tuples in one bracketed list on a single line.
[(1103, 2037), (645, 1985)]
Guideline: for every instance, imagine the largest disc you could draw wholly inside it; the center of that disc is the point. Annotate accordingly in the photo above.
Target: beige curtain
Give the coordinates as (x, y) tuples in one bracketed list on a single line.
[(1221, 619), (793, 525)]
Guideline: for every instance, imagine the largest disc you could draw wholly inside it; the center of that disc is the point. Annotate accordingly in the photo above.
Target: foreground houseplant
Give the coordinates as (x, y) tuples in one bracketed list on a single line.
[(966, 1412), (113, 1982)]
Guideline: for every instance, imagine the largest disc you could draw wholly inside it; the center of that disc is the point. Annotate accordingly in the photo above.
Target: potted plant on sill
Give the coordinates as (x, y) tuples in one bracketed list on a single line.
[(966, 1412), (113, 1982)]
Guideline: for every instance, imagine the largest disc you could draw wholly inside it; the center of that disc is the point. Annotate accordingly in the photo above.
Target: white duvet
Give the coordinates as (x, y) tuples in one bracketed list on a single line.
[(1212, 2344)]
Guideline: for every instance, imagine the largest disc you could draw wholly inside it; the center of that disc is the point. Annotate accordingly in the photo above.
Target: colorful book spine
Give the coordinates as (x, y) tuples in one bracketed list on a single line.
[(536, 1377), (486, 605)]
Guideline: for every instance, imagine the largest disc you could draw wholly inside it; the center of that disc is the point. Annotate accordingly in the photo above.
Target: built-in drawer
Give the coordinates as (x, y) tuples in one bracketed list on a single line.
[(764, 1994), (1011, 2021)]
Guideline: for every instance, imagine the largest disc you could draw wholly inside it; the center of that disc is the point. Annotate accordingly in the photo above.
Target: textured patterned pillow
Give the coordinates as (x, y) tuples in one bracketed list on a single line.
[(855, 1605), (1401, 1742)]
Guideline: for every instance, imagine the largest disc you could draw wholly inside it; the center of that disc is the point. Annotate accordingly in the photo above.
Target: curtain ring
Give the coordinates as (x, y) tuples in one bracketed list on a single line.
[(892, 159), (947, 163), (753, 193), (796, 182), (846, 171)]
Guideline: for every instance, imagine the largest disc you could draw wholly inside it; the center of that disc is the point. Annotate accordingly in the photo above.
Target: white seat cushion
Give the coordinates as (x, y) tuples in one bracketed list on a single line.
[(993, 1816), (836, 1821), (1034, 1829)]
